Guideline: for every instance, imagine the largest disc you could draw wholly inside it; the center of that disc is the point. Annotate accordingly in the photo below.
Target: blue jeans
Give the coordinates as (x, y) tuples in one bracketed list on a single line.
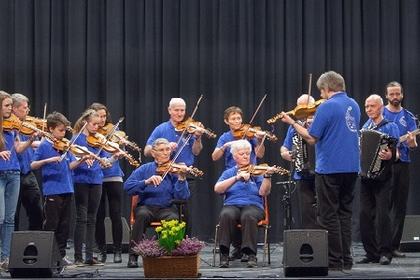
[(9, 193)]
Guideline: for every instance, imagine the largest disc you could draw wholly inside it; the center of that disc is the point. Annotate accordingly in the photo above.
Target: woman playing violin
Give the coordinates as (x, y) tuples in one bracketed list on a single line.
[(233, 118), (111, 191), (88, 189), (57, 182), (155, 193), (243, 203)]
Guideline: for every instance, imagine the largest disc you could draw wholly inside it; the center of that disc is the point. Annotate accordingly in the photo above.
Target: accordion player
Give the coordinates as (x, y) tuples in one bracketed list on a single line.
[(371, 143)]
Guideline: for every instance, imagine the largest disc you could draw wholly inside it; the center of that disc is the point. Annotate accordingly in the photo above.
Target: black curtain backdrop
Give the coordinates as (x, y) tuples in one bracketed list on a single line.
[(134, 55)]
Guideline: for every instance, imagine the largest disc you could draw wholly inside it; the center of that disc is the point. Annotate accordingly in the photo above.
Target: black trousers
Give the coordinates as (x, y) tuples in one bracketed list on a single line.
[(147, 214), (248, 217), (57, 211), (31, 199), (375, 223), (187, 209), (399, 196), (87, 197), (111, 192), (335, 194), (307, 203)]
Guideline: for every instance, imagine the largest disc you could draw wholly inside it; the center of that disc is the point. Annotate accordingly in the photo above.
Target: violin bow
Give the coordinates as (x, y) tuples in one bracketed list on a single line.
[(72, 142), (309, 88), (109, 135), (252, 119), (44, 116), (192, 116)]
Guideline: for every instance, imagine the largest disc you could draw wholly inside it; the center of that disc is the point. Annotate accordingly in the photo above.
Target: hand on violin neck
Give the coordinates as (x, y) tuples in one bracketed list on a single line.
[(154, 180), (286, 118)]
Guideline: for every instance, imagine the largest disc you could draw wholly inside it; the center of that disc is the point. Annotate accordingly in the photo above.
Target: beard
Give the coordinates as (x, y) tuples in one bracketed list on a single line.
[(395, 102)]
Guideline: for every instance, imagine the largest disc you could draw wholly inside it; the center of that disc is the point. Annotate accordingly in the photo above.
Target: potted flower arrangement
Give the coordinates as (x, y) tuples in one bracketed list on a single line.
[(171, 255)]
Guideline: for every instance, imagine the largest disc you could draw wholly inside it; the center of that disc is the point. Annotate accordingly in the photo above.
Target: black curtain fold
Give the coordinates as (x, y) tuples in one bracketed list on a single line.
[(134, 55)]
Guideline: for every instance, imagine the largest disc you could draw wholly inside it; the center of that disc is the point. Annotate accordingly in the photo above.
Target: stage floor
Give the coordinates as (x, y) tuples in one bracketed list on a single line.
[(400, 268)]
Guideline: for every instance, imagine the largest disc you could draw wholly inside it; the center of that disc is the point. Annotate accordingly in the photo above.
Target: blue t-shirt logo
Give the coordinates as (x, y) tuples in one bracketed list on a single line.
[(350, 120), (403, 122)]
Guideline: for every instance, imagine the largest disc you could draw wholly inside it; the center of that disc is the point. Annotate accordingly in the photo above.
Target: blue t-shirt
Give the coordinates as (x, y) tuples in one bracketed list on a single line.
[(25, 157), (228, 137), (13, 162), (114, 170), (405, 122), (336, 126), (84, 174), (167, 130), (390, 128), (56, 177), (242, 193), (170, 188)]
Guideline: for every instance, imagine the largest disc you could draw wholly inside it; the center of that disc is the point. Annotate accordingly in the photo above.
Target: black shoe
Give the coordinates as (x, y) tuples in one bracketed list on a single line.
[(236, 254), (366, 260), (132, 261), (224, 261), (93, 262), (347, 266), (252, 261), (398, 254), (244, 258), (117, 257), (384, 260), (102, 256)]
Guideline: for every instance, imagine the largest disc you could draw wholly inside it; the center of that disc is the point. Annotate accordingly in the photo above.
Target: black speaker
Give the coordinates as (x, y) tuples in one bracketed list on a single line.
[(125, 236), (410, 241), (34, 254), (305, 253)]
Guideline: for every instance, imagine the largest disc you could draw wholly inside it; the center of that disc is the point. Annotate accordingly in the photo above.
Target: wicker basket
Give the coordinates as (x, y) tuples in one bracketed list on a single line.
[(171, 266)]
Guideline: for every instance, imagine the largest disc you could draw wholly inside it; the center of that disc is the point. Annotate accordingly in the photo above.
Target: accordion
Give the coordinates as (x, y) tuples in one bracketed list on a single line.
[(303, 155), (371, 143)]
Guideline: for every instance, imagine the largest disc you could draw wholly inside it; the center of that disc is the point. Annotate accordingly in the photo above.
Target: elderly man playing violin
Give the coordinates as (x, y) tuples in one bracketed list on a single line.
[(156, 188), (243, 203)]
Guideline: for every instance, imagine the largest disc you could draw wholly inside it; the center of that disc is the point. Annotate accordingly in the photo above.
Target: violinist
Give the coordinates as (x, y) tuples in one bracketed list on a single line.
[(155, 193), (57, 182), (293, 151), (112, 186), (30, 193), (167, 130), (335, 131), (243, 201), (10, 172), (233, 117), (87, 190)]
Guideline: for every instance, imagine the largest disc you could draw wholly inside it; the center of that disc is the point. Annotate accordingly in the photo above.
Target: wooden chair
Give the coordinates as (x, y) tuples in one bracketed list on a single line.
[(262, 224)]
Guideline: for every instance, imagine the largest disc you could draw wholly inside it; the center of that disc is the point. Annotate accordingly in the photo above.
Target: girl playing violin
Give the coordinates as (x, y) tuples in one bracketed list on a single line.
[(155, 193), (111, 191), (233, 118), (87, 190), (57, 182)]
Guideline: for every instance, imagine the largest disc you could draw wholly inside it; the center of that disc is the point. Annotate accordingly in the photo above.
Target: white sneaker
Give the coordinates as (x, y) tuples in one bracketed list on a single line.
[(66, 262)]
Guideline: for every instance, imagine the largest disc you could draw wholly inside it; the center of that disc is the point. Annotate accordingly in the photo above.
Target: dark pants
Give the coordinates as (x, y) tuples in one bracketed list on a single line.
[(399, 197), (147, 214), (111, 191), (30, 199), (375, 224), (187, 209), (57, 211), (87, 197), (308, 204), (248, 217), (335, 194)]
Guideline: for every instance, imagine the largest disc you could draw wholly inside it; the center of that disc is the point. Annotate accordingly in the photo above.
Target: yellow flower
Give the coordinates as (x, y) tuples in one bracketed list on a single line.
[(158, 229)]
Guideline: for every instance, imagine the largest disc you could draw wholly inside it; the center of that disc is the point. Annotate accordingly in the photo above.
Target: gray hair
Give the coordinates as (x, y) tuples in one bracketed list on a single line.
[(176, 101), (303, 100), (160, 141), (331, 81), (19, 99), (239, 145), (376, 98)]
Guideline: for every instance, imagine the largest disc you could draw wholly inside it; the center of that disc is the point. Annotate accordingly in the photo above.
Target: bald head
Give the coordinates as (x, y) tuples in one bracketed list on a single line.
[(375, 99), (303, 100)]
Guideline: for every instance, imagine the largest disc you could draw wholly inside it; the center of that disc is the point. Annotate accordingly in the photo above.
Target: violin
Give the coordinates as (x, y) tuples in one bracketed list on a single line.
[(191, 126), (178, 168), (14, 123), (118, 136), (78, 151), (98, 140), (261, 169), (299, 112), (250, 132), (39, 123)]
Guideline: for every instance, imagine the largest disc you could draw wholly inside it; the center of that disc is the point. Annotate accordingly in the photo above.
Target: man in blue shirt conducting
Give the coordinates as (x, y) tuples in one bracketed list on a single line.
[(335, 132)]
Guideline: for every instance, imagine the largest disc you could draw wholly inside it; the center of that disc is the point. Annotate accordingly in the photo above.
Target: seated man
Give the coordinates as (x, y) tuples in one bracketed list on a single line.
[(155, 193), (243, 203)]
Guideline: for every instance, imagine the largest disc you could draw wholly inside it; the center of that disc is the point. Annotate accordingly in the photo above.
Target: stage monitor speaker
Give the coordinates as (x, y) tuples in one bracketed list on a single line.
[(410, 241), (34, 254), (305, 253), (108, 235)]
